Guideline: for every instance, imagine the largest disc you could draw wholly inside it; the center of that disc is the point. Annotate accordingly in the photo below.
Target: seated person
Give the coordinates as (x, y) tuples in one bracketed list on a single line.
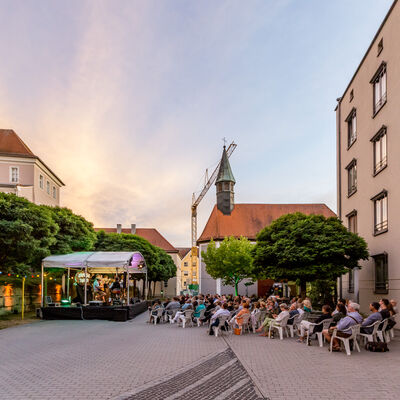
[(173, 306), (340, 301), (275, 318), (339, 313), (237, 320), (305, 325), (344, 325), (214, 321), (307, 306), (197, 309), (292, 312), (180, 315), (371, 319), (116, 287), (98, 292), (153, 312)]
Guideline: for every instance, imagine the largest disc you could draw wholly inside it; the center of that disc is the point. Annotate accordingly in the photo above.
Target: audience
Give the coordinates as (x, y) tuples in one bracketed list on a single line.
[(234, 308)]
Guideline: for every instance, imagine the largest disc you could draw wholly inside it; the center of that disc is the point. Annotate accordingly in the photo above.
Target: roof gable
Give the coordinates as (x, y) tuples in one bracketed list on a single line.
[(11, 143), (248, 219)]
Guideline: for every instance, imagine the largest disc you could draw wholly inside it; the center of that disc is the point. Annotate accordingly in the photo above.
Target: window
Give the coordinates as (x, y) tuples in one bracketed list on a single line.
[(185, 264), (186, 273), (54, 192), (184, 283), (380, 150), (194, 263), (48, 187), (351, 127), (380, 212), (380, 46), (379, 84), (194, 273), (351, 95), (350, 289), (352, 177), (381, 273), (352, 221), (14, 174), (41, 181)]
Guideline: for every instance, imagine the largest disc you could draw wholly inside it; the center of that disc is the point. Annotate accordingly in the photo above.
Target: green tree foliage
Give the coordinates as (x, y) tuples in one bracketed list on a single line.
[(27, 231), (306, 248), (231, 261), (75, 233)]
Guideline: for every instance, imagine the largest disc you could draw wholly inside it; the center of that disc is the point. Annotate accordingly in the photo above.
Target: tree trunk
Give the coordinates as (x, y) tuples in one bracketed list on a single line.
[(236, 288), (154, 288), (134, 288), (303, 289)]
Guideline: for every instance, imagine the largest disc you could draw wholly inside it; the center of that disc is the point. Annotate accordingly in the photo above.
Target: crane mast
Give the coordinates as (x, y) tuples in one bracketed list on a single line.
[(196, 201)]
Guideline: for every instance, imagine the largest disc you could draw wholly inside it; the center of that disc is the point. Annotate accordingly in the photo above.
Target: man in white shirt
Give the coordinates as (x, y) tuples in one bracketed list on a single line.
[(223, 311)]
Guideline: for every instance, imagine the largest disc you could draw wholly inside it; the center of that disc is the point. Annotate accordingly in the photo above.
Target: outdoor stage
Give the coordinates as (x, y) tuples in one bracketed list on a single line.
[(110, 313)]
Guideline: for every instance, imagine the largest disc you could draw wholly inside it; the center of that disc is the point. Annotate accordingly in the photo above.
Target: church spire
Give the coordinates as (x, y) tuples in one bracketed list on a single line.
[(225, 183)]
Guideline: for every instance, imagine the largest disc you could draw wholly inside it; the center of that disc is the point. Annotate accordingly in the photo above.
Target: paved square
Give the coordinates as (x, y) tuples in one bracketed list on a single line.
[(134, 360)]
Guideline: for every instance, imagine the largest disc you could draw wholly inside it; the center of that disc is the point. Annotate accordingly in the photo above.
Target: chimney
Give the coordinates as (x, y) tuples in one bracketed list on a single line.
[(133, 229), (119, 228)]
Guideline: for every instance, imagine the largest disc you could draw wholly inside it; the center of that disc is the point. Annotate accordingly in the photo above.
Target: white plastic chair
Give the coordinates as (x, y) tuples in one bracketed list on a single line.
[(370, 337), (172, 315), (325, 325), (221, 323), (279, 326), (254, 317), (157, 316), (187, 318), (381, 332), (293, 326), (355, 331), (245, 323)]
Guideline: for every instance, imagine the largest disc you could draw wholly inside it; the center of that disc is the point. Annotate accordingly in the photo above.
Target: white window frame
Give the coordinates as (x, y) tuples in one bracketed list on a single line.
[(48, 187), (380, 212), (11, 174), (41, 181), (379, 82), (54, 192)]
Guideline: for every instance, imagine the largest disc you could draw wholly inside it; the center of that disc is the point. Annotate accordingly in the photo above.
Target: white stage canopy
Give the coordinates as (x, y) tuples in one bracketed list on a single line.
[(134, 261)]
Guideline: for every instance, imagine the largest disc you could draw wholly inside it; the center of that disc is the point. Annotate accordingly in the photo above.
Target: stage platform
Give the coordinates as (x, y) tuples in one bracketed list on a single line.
[(110, 313)]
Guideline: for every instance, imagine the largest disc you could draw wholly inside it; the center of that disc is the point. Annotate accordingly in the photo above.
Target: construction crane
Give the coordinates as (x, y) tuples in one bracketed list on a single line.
[(196, 201)]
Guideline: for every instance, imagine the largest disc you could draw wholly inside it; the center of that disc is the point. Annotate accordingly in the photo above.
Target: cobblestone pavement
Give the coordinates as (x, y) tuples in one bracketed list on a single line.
[(219, 377), (287, 369), (134, 360)]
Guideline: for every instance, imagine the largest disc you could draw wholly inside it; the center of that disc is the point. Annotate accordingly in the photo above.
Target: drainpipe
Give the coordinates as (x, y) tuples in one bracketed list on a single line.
[(339, 173)]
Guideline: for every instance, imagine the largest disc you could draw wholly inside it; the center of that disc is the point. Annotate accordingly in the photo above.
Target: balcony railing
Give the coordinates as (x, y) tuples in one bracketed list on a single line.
[(381, 226), (380, 165), (380, 102)]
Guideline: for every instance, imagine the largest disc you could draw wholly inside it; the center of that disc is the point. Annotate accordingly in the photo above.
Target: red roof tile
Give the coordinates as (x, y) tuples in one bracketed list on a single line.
[(150, 234), (248, 219), (11, 143)]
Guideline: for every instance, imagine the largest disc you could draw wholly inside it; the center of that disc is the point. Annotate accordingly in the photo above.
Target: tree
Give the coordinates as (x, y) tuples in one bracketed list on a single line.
[(75, 233), (160, 266), (27, 231), (231, 261), (306, 248)]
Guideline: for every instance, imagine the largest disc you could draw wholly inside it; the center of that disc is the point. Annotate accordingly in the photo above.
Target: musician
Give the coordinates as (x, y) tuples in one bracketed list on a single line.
[(80, 277)]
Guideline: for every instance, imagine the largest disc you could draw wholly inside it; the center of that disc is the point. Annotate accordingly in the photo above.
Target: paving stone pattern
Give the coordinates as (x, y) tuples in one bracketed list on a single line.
[(124, 360)]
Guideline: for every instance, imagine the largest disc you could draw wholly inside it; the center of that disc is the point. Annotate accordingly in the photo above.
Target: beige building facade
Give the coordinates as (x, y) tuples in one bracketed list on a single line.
[(189, 267), (24, 174), (368, 165)]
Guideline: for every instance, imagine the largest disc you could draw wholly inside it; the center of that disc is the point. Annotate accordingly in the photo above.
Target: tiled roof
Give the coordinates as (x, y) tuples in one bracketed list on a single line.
[(248, 219), (150, 234), (183, 251), (11, 143)]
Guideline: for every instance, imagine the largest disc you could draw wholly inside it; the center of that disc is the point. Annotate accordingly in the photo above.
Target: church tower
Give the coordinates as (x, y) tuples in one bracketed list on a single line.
[(225, 183)]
